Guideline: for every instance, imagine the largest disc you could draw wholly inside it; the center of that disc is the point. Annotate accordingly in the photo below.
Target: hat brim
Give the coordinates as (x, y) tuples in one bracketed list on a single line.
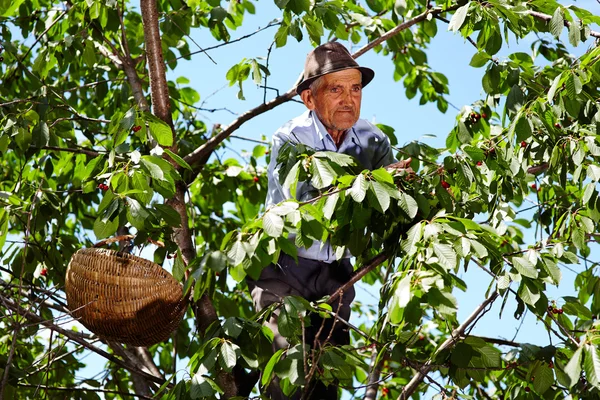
[(367, 76)]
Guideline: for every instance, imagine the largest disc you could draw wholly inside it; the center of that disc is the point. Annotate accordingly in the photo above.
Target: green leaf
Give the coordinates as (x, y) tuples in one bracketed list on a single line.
[(136, 214), (179, 267), (272, 224), (105, 228), (200, 387), (236, 253), (359, 188), (232, 327), (573, 367), (458, 18), (593, 172), (525, 267), (475, 153), (591, 365), (217, 261), (180, 161), (574, 33), (490, 356), (528, 293), (557, 23), (126, 123), (89, 56), (554, 88), (462, 355), (413, 236), (40, 135), (160, 131), (267, 374), (408, 205), (330, 203), (543, 378), (379, 196), (480, 59), (228, 355), (322, 173), (445, 254)]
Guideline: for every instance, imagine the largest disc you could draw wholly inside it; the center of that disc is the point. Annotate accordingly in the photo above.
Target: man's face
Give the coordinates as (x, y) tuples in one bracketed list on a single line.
[(337, 99)]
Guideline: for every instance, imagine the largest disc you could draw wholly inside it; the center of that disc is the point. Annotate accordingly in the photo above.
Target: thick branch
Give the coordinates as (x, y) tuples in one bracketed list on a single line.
[(161, 105), (455, 336), (203, 152), (73, 336)]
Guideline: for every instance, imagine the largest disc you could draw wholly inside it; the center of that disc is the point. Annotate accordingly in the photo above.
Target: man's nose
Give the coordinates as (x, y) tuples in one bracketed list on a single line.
[(346, 97)]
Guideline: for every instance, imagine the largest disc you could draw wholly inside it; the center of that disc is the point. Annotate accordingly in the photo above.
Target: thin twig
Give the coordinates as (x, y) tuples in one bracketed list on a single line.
[(226, 43)]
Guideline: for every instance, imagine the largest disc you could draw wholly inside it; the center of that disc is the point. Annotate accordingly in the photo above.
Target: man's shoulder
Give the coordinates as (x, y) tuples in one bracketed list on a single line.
[(301, 125), (366, 128)]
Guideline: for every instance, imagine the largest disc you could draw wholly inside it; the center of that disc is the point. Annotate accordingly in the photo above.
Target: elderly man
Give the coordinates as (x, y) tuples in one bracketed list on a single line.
[(332, 92)]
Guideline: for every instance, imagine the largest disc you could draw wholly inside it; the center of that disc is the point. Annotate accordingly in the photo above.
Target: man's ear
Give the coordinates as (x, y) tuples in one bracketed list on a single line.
[(308, 99)]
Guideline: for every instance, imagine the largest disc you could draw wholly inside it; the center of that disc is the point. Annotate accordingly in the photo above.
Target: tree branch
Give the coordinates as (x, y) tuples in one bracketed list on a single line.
[(161, 105), (547, 18), (357, 275), (373, 380), (455, 336)]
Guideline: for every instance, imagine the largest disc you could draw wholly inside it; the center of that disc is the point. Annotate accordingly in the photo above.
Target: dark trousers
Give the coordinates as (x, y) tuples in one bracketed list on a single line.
[(311, 280)]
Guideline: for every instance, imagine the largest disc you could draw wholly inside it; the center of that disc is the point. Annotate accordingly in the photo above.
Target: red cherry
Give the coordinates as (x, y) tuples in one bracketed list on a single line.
[(479, 163), (385, 391), (484, 116), (523, 144), (527, 389), (550, 364), (557, 125), (103, 187), (266, 153), (445, 184), (534, 186), (44, 272), (560, 311), (255, 179)]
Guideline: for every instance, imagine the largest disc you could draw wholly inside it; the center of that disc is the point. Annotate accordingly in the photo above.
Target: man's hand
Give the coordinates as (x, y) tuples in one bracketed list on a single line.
[(401, 168)]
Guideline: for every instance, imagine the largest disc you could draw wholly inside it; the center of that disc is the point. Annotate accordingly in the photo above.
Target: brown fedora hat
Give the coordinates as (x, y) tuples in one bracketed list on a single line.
[(327, 58)]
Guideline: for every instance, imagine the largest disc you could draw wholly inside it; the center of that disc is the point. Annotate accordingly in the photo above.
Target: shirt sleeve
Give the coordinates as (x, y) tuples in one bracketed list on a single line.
[(275, 191)]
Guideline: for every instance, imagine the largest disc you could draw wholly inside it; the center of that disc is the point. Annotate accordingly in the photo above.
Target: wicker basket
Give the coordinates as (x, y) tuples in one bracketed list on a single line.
[(123, 298)]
